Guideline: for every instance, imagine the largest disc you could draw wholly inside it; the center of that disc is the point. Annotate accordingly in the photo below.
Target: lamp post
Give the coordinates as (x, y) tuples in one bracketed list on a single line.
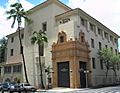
[(86, 76)]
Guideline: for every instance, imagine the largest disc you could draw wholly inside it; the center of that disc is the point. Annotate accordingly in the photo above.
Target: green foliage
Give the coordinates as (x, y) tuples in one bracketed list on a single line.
[(17, 13), (3, 47), (47, 70), (39, 37), (105, 54), (110, 59), (3, 43)]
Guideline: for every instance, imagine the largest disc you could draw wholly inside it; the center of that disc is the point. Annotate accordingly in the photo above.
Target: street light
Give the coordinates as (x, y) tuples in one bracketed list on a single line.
[(86, 72), (86, 76)]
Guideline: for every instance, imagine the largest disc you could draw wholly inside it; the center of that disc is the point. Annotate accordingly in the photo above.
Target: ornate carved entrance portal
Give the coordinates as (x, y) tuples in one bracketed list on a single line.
[(67, 56)]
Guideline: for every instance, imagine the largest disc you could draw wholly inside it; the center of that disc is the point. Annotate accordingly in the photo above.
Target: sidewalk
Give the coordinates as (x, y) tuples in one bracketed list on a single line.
[(61, 90)]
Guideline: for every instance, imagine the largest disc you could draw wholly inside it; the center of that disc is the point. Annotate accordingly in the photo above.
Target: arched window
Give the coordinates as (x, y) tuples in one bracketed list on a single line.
[(61, 37), (82, 37)]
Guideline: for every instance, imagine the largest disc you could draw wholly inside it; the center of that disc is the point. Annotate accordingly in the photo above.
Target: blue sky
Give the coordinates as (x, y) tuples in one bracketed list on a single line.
[(105, 11), (35, 2)]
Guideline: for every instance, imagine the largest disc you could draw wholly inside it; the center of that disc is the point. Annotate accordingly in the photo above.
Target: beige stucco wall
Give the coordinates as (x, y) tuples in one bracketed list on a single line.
[(98, 75), (46, 14)]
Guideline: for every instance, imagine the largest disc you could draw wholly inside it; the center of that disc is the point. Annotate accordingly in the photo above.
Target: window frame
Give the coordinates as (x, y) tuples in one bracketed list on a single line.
[(93, 63), (92, 43), (12, 39), (11, 52), (7, 69), (44, 26)]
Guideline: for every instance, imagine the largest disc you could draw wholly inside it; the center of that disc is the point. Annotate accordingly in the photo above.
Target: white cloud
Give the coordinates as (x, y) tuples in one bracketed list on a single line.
[(105, 11), (26, 5), (5, 25)]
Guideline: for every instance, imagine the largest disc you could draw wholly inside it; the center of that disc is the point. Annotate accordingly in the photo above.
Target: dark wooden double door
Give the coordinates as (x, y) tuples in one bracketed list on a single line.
[(63, 74), (82, 66)]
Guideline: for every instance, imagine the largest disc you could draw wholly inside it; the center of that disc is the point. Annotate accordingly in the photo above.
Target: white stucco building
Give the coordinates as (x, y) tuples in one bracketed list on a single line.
[(74, 38)]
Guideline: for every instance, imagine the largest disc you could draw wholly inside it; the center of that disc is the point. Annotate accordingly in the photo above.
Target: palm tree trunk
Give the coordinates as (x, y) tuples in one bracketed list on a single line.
[(23, 58), (40, 65), (106, 73), (115, 73)]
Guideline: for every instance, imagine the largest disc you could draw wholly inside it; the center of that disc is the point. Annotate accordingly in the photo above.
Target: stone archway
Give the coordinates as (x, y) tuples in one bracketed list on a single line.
[(72, 51)]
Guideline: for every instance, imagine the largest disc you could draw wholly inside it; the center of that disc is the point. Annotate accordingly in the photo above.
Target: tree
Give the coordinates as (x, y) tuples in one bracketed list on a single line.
[(109, 59), (40, 38), (17, 13), (115, 59), (3, 47)]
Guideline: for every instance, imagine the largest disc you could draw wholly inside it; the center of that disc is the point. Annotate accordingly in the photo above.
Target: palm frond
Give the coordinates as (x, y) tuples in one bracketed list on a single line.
[(14, 19), (33, 39), (12, 11), (45, 39), (28, 12), (9, 17), (16, 5), (34, 33), (7, 12)]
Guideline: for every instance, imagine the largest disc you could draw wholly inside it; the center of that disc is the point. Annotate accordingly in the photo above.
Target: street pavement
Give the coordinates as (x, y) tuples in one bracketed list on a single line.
[(102, 90), (115, 89)]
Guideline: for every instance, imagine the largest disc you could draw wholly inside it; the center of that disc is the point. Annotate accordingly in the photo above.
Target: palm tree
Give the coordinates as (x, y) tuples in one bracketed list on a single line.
[(17, 13), (39, 38), (3, 47)]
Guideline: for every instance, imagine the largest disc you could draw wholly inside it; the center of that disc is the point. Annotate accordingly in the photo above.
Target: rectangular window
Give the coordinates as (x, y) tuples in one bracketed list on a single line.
[(11, 52), (12, 39), (115, 40), (92, 43), (100, 46), (100, 31), (7, 69), (21, 50), (93, 63), (111, 49), (106, 46), (116, 52), (111, 38), (84, 22), (17, 68), (101, 64), (106, 35), (44, 26), (92, 27)]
